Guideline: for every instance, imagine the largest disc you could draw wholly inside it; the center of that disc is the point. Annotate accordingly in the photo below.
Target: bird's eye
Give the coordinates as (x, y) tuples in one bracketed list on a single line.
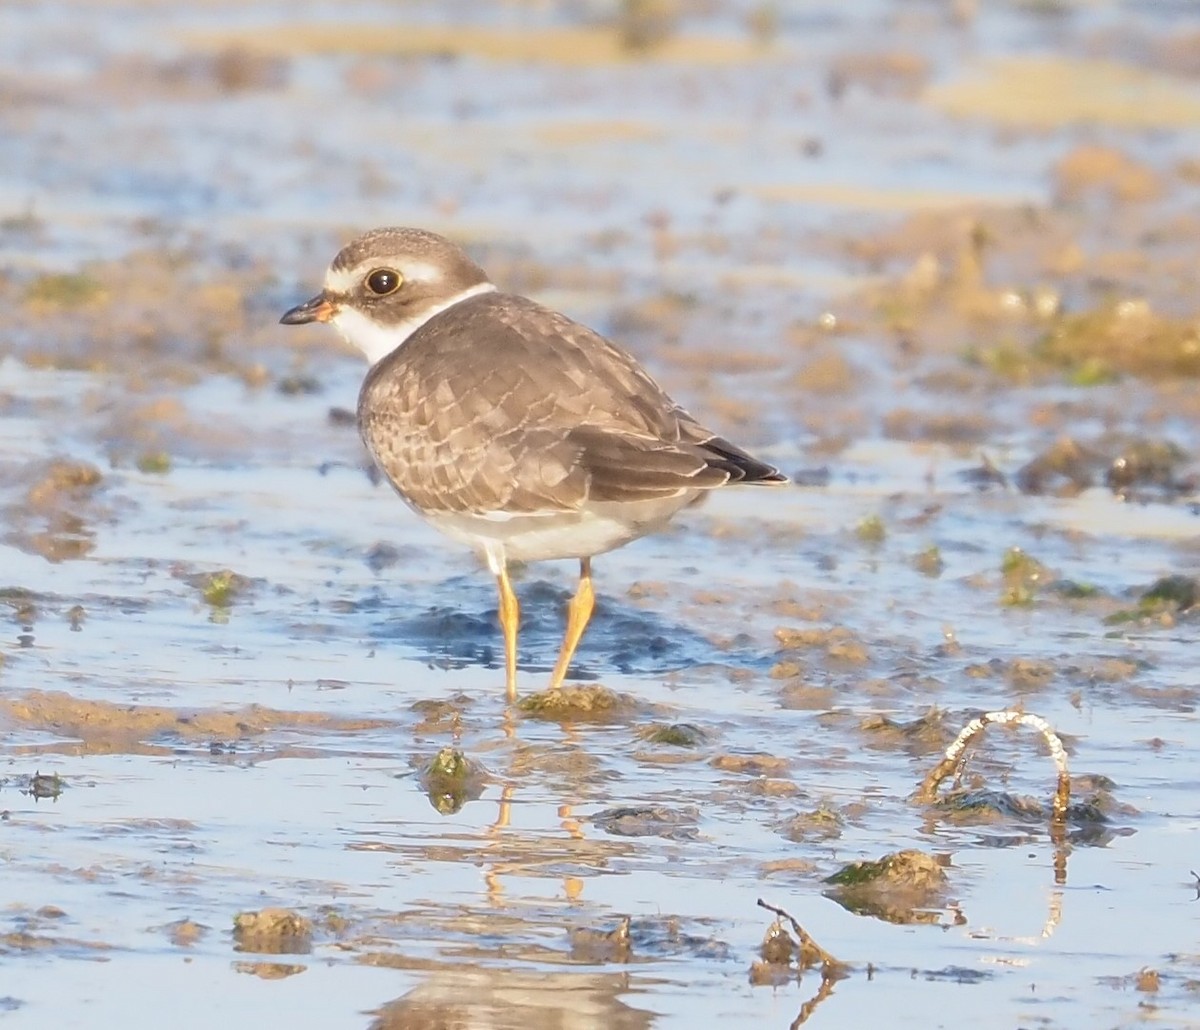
[(383, 281)]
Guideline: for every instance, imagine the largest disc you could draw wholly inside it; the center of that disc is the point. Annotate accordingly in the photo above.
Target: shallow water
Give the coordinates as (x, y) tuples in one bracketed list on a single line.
[(199, 755)]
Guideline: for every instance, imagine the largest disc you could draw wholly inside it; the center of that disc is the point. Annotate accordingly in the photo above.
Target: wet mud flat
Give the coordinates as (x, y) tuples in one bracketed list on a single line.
[(937, 261)]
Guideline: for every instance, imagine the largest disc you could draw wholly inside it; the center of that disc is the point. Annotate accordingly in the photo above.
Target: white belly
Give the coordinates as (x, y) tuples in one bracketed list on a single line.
[(593, 530)]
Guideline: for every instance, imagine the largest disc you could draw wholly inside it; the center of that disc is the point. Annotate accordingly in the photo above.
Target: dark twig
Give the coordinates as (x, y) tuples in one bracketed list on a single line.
[(810, 951)]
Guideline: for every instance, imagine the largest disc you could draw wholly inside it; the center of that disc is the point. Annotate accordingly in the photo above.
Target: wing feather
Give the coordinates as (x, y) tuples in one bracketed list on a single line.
[(499, 404)]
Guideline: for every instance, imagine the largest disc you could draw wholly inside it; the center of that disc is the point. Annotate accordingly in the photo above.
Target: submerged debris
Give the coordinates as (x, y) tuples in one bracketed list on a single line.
[(953, 759), (1090, 816), (779, 949)]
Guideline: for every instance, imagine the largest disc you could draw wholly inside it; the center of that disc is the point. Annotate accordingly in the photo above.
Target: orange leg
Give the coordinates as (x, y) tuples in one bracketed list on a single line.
[(510, 617), (578, 613)]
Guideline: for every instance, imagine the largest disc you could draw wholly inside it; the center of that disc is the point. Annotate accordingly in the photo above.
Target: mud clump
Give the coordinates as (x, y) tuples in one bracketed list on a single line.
[(838, 643), (1144, 469), (822, 823), (220, 589), (777, 946), (1105, 174), (438, 715), (968, 427), (828, 374), (106, 727), (871, 531), (808, 697), (898, 73), (595, 946), (183, 933), (923, 735), (1149, 466), (156, 463), (981, 805), (43, 786), (197, 76), (66, 290), (567, 704), (645, 25), (1125, 336), (1179, 591), (62, 477), (270, 970), (898, 888), (451, 779), (751, 765), (777, 951), (1064, 469), (786, 670), (650, 821), (679, 734), (142, 316), (1030, 674), (929, 562), (1162, 602), (1022, 576), (60, 509), (272, 931)]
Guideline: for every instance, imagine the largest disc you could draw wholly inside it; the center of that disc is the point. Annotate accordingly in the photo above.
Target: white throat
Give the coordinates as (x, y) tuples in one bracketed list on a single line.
[(377, 341)]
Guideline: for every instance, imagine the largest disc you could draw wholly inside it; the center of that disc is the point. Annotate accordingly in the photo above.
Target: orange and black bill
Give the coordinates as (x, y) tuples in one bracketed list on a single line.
[(319, 309)]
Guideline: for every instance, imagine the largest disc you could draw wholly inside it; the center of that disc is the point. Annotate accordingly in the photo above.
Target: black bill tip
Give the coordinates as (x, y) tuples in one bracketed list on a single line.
[(316, 310)]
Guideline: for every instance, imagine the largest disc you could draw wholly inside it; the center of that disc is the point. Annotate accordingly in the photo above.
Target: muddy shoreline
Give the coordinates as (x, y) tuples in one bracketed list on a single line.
[(936, 261)]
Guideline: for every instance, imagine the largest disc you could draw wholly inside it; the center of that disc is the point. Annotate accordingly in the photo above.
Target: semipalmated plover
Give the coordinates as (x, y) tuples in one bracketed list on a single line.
[(507, 425)]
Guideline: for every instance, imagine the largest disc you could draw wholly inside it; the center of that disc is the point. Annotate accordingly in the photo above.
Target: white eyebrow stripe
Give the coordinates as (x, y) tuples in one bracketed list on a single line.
[(343, 280)]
